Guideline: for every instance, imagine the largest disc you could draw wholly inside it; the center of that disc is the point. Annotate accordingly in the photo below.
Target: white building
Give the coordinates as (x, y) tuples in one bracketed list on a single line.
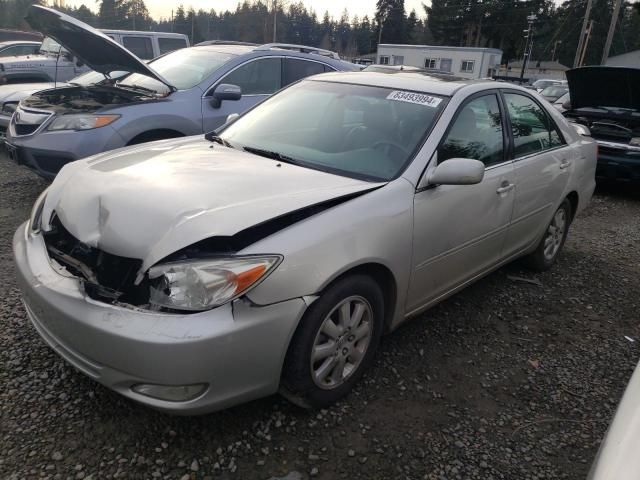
[(629, 59), (468, 62)]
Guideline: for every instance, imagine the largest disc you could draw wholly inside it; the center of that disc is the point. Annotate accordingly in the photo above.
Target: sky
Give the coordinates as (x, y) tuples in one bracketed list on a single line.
[(162, 8)]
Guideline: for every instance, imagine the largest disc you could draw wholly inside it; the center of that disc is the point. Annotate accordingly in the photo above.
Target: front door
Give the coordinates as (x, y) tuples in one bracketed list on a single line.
[(258, 79), (459, 230)]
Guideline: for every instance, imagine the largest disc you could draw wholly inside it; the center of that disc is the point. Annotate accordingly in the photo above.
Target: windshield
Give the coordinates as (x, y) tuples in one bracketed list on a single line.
[(183, 69), (563, 98), (92, 77), (49, 45), (358, 131), (554, 91)]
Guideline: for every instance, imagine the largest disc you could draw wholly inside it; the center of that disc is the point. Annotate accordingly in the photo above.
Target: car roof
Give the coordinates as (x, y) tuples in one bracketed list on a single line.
[(260, 50), (18, 42), (426, 82)]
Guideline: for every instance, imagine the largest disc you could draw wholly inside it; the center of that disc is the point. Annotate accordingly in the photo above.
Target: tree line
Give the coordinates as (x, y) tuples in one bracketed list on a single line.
[(477, 23)]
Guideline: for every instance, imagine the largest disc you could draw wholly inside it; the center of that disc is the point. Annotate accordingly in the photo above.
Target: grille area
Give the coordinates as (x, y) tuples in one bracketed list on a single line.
[(27, 121), (106, 277)]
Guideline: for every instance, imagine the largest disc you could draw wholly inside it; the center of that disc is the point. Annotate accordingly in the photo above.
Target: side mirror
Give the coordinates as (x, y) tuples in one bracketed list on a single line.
[(457, 171), (581, 129), (567, 105), (225, 91), (232, 118)]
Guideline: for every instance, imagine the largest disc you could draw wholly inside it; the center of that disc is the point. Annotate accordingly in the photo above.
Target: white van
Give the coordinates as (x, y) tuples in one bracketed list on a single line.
[(148, 45)]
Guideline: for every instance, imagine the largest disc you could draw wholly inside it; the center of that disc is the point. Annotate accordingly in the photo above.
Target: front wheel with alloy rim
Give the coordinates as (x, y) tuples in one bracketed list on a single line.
[(553, 240), (334, 343)]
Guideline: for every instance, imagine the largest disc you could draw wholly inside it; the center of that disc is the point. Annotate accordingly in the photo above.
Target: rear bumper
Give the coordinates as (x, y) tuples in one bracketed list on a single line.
[(618, 163), (237, 350)]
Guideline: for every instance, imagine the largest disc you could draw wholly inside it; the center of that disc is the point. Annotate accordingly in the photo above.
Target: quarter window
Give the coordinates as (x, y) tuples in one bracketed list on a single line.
[(430, 63), (384, 60), (476, 133), (294, 70), (533, 129), (139, 46), (467, 66), (170, 44), (259, 77)]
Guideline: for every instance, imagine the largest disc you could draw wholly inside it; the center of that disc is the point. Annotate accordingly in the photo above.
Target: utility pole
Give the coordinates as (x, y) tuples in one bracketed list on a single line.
[(275, 17), (555, 46), (586, 42), (193, 25), (583, 31), (612, 29), (171, 21), (528, 46)]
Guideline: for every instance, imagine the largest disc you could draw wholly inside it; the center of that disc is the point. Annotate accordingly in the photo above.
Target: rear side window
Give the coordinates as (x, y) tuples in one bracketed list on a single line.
[(476, 133), (294, 70), (171, 44), (532, 128), (259, 77), (139, 46)]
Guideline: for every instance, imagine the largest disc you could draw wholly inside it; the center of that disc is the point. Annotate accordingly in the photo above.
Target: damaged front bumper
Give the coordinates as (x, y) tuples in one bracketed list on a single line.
[(234, 353)]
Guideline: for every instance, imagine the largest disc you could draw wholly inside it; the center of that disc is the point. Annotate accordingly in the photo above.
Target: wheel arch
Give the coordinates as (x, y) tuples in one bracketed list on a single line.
[(383, 276), (155, 134), (574, 201)]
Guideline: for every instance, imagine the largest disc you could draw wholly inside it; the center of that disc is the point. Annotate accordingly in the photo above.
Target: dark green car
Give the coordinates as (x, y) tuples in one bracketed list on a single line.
[(607, 101)]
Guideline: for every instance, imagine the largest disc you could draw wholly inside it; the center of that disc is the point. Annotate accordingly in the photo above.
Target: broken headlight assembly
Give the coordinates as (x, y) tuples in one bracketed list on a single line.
[(197, 285), (81, 122), (35, 219)]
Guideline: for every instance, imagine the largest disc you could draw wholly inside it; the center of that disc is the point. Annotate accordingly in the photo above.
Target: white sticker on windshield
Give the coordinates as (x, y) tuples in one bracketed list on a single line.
[(411, 97)]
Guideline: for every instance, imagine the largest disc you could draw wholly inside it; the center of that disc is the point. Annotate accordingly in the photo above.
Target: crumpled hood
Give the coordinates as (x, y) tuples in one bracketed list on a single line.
[(149, 201), (604, 87)]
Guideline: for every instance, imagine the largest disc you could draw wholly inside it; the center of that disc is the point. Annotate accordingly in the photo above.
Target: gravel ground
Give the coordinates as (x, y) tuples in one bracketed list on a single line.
[(506, 380)]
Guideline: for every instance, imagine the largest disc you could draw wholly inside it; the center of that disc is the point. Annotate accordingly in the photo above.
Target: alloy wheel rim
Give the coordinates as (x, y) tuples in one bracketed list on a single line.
[(555, 234), (341, 342)]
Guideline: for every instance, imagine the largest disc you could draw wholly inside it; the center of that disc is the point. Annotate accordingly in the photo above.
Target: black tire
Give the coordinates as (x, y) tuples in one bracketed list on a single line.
[(298, 384), (539, 260)]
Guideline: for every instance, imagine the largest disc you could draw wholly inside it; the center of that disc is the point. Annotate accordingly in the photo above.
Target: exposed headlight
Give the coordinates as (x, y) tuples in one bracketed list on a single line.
[(82, 122), (35, 219), (198, 285)]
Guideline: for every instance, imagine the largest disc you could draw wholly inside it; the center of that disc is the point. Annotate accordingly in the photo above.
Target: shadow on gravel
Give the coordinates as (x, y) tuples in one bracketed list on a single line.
[(618, 190)]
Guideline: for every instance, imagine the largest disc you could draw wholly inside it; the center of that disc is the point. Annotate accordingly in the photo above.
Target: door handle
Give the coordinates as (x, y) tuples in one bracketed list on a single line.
[(565, 164), (506, 187)]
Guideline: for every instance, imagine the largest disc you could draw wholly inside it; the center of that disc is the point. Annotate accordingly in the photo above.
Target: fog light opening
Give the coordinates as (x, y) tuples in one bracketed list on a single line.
[(170, 393)]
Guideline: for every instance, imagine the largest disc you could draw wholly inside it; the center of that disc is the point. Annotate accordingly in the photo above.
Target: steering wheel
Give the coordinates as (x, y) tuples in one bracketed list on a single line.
[(385, 146)]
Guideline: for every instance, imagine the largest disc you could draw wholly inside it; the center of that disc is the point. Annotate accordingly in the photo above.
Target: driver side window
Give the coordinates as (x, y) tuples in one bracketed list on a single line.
[(476, 133)]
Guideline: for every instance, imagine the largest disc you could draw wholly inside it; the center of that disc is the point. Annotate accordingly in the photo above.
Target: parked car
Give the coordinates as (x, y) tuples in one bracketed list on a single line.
[(543, 83), (193, 274), (186, 92), (53, 63), (561, 103), (611, 114), (18, 48), (554, 92), (10, 95), (617, 457)]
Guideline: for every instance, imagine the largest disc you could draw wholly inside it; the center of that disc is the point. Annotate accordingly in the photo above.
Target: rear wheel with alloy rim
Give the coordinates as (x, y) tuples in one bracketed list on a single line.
[(334, 343), (553, 240)]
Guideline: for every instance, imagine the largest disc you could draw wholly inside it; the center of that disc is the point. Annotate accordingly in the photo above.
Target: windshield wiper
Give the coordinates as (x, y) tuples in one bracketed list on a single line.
[(212, 137), (274, 156), (138, 87)]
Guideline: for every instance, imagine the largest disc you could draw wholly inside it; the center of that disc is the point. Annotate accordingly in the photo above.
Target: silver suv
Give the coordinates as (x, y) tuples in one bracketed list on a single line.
[(186, 92)]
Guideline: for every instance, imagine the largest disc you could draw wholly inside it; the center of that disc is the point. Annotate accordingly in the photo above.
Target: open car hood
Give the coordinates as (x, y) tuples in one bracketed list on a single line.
[(149, 201), (604, 87), (93, 47)]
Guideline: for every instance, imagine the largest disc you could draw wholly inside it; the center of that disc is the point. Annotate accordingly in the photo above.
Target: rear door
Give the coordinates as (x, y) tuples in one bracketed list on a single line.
[(459, 230), (258, 79), (542, 163)]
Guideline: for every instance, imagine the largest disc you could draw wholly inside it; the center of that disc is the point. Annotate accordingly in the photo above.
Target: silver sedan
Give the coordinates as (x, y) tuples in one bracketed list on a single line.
[(271, 255)]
